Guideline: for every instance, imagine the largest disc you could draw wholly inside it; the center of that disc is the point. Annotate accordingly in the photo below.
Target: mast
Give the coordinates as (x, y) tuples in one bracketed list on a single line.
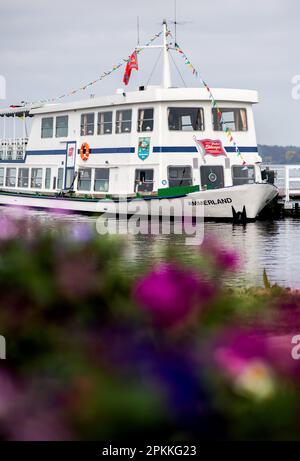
[(166, 63), (166, 80)]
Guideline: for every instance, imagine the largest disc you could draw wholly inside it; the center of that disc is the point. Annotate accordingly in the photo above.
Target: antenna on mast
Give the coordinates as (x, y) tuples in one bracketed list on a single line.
[(175, 20), (138, 30)]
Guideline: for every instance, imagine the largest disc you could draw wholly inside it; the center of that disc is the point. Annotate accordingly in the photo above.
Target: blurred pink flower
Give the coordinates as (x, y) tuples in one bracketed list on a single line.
[(224, 258), (170, 293)]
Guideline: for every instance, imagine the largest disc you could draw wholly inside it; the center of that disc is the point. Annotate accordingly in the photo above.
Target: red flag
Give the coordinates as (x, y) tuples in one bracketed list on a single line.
[(131, 64)]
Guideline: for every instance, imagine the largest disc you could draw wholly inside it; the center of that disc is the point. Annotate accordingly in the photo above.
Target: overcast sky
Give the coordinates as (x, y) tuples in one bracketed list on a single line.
[(50, 46)]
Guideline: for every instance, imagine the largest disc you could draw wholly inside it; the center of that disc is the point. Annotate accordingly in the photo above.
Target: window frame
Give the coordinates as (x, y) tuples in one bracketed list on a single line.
[(28, 177), (8, 178), (136, 185), (84, 126), (119, 123), (42, 128), (65, 127), (60, 178), (249, 181), (99, 124), (180, 166), (48, 178), (101, 179), (36, 177), (201, 109), (86, 180), (214, 114), (2, 179), (144, 120)]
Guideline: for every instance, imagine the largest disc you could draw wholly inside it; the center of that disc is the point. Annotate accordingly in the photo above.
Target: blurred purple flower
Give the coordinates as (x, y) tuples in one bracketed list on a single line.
[(170, 294)]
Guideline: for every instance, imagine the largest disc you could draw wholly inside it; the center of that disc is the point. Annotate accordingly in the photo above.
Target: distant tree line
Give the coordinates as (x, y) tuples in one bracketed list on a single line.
[(279, 154)]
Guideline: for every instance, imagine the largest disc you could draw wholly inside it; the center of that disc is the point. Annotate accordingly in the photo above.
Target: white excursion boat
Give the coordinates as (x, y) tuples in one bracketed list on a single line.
[(154, 143)]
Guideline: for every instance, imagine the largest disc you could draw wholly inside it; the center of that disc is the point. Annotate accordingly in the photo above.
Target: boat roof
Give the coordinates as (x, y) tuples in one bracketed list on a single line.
[(18, 111), (151, 95)]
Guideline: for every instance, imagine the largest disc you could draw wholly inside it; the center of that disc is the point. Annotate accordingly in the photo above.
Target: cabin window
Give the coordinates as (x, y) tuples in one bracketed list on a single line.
[(101, 182), (180, 176), (123, 121), (186, 119), (36, 178), (11, 174), (104, 123), (212, 177), (145, 120), (143, 180), (23, 177), (233, 119), (69, 178), (62, 126), (1, 177), (60, 178), (48, 178), (47, 127), (85, 179), (87, 124), (243, 175)]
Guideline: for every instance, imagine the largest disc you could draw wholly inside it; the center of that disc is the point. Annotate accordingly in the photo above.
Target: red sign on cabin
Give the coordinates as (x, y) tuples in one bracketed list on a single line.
[(71, 151), (212, 147)]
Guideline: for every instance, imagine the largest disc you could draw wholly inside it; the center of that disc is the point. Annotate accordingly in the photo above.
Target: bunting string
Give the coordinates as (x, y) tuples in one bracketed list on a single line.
[(101, 77), (214, 103)]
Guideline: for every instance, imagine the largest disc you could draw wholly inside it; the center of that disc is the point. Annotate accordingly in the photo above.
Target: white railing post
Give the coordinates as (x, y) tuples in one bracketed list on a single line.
[(287, 183)]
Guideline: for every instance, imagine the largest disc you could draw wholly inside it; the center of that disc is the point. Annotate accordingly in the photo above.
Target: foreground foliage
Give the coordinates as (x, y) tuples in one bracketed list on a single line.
[(102, 348)]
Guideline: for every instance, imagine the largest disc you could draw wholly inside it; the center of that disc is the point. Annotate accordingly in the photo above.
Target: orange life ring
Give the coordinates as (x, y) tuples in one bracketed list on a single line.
[(85, 151)]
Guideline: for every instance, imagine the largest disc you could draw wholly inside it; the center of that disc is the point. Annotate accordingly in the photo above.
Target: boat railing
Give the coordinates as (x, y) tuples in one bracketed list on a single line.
[(13, 148), (287, 179)]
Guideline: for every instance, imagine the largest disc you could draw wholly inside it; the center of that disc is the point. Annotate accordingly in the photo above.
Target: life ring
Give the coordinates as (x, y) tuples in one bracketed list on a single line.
[(85, 151)]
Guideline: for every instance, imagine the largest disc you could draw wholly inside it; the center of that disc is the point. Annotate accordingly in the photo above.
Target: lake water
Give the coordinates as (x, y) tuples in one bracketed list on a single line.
[(273, 245)]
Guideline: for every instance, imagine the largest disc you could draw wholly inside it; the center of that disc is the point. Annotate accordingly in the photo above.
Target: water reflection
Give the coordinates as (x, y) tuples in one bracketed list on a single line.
[(273, 245)]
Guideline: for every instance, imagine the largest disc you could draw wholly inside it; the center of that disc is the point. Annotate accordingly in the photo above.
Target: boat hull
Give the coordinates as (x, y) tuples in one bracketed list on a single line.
[(224, 203)]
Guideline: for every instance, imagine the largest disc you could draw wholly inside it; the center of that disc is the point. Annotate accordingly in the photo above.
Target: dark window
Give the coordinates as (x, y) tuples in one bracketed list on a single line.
[(62, 126), (233, 119), (180, 176), (101, 182), (48, 178), (212, 177), (23, 177), (84, 179), (143, 180), (87, 124), (186, 119), (104, 123), (1, 177), (47, 127), (60, 178), (243, 175), (11, 174), (36, 178), (69, 177), (123, 121), (145, 120)]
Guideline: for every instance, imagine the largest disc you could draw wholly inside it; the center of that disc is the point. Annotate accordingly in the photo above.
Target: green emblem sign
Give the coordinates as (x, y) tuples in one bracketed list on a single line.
[(144, 148)]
